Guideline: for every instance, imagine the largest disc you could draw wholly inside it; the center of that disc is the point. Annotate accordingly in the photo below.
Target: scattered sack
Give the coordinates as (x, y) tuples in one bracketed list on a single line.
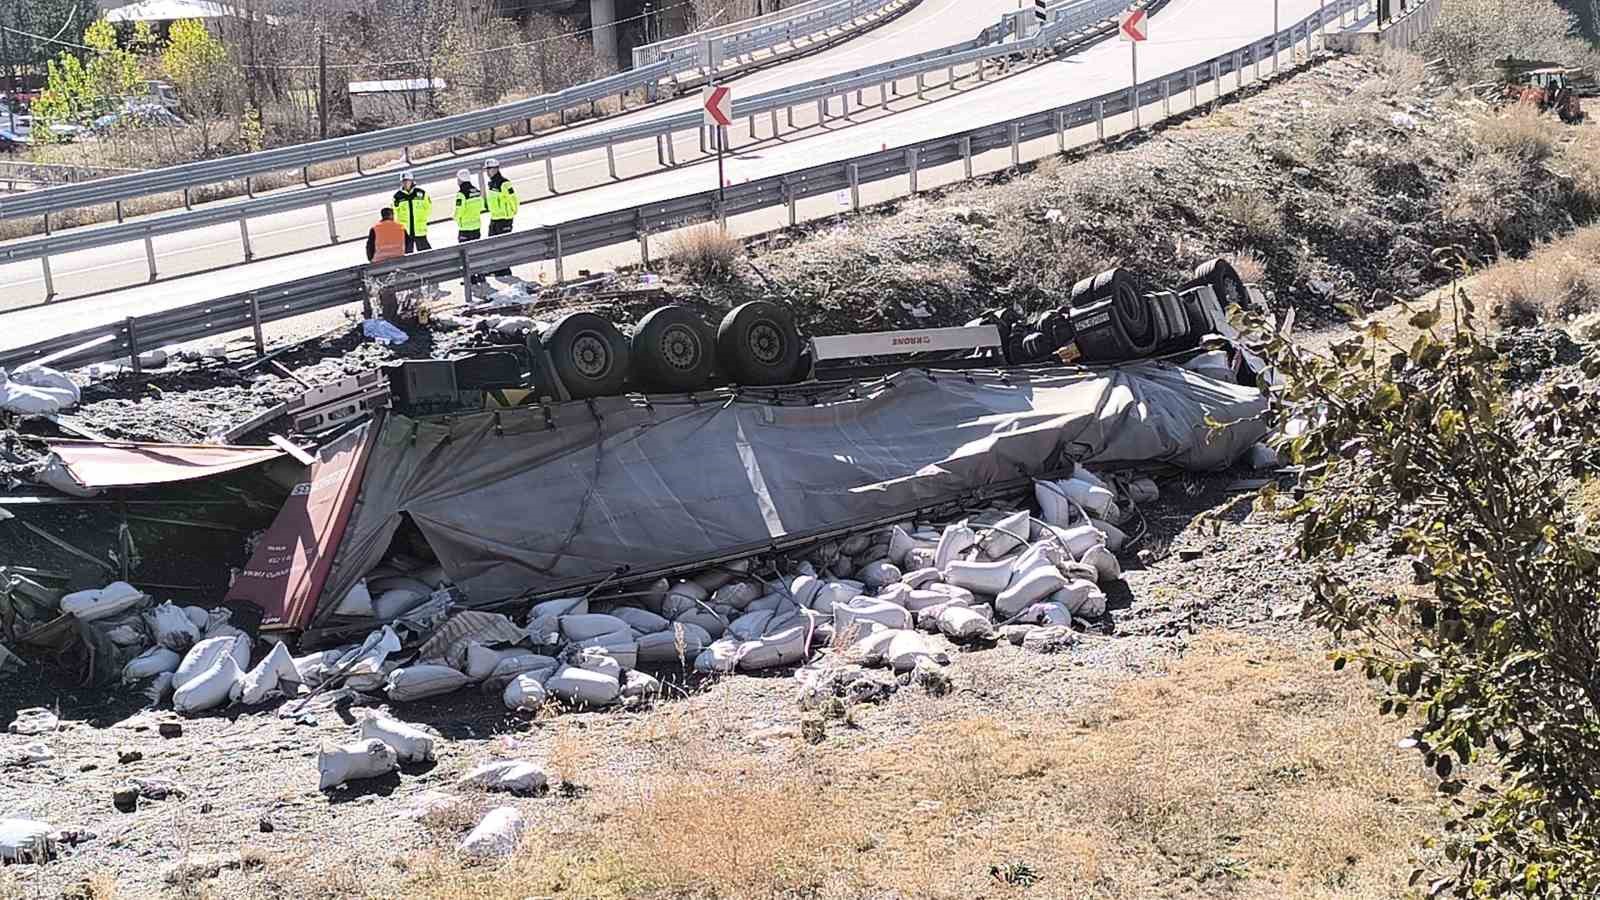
[(642, 621), (393, 604), (864, 614), (171, 627), (24, 840), (34, 721), (1006, 535), (410, 744), (315, 668), (900, 543), (496, 835), (364, 666), (1035, 585), (521, 664), (834, 593), (876, 575), (782, 648), (269, 676), (907, 647), (1106, 564), (369, 758), (419, 682), (208, 689), (1049, 639), (720, 657), (508, 776), (1081, 598), (979, 577), (356, 603), (482, 661), (591, 625), (960, 623), (526, 692), (640, 686), (149, 664), (584, 687), (681, 643), (956, 540), (618, 645), (922, 577), (102, 603)]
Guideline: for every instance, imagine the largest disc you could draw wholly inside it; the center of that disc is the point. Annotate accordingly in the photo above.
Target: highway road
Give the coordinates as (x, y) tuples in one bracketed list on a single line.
[(929, 25), (1184, 33)]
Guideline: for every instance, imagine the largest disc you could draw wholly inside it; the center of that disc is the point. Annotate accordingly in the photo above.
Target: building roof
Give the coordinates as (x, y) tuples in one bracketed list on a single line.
[(172, 10), (396, 85)]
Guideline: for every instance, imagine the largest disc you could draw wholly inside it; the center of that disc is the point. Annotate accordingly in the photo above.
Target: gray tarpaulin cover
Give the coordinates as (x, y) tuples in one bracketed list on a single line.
[(512, 505)]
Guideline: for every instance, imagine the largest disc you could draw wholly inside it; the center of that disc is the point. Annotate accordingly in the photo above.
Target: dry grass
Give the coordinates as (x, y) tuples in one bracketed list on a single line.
[(1580, 161), (1254, 214), (1248, 770), (1557, 281), (1250, 266), (1521, 131), (704, 254)]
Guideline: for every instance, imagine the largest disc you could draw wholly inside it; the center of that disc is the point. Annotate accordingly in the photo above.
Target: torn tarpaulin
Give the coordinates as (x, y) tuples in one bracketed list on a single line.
[(101, 464)]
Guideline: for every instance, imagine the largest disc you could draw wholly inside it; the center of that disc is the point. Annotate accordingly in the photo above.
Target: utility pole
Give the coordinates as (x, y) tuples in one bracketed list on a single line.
[(11, 79), (322, 84), (250, 44)]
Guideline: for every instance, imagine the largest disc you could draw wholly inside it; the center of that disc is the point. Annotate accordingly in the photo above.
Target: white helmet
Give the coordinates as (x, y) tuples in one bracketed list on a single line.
[(492, 163), (406, 176), (464, 175)]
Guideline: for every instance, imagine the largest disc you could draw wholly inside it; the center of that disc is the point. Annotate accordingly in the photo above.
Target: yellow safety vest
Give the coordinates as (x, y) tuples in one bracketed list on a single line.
[(412, 211), (469, 210), (502, 199)]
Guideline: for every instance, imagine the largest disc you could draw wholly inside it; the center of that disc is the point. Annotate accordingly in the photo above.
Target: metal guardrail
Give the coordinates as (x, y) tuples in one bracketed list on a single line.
[(1069, 23), (53, 173), (182, 178), (282, 301), (756, 32)]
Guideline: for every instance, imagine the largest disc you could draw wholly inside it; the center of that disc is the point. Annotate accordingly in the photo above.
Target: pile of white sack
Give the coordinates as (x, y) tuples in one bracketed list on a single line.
[(36, 391)]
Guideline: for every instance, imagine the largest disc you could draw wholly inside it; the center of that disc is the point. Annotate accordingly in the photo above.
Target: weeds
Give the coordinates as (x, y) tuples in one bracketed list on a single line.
[(704, 253), (1559, 280)]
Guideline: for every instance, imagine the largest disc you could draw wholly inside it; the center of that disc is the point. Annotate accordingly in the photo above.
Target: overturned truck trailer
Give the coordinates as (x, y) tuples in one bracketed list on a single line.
[(534, 501)]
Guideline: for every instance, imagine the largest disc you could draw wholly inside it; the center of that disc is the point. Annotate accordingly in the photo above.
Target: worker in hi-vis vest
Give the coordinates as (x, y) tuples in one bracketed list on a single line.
[(412, 207), (386, 239), (469, 213), (502, 196)]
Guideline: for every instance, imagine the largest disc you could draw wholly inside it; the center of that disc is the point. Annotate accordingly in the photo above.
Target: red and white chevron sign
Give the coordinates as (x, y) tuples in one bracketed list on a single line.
[(718, 101), (1134, 26)]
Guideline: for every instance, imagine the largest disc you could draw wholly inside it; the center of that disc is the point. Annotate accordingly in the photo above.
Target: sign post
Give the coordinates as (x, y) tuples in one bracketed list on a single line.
[(1134, 27), (717, 102)]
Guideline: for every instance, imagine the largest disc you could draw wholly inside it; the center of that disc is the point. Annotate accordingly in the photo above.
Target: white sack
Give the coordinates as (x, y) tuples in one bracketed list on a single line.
[(203, 655), (916, 601), (352, 762), (922, 577), (979, 577), (878, 573), (37, 391), (1081, 598), (1048, 613), (619, 645), (481, 661), (171, 627), (508, 776), (835, 592), (410, 743), (497, 835), (574, 684), (159, 689), (208, 689), (1080, 539), (393, 604), (274, 671), (920, 557), (381, 586), (783, 648), (592, 625), (642, 621), (526, 692), (1105, 563), (1262, 456), (720, 657), (803, 589), (751, 625), (1037, 584), (314, 668), (357, 602), (906, 647), (523, 663), (419, 682), (708, 621), (102, 603), (1007, 535), (962, 624), (663, 648), (865, 614), (956, 540), (1115, 537), (149, 664), (900, 544), (365, 666)]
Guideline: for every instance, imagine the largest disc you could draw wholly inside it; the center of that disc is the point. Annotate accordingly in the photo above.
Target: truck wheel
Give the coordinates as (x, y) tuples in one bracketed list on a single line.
[(758, 344), (673, 349), (589, 354), (1219, 275)]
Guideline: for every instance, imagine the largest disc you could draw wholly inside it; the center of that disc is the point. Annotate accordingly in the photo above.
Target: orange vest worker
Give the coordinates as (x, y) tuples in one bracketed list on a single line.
[(386, 240)]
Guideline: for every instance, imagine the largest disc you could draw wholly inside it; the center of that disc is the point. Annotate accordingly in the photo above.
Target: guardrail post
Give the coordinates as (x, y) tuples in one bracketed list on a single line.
[(244, 238), (1194, 90), (47, 223), (920, 86), (672, 152), (466, 273), (249, 187), (702, 131), (788, 112), (661, 155), (1238, 69), (255, 324), (550, 175), (130, 323), (854, 171), (774, 122), (362, 171), (150, 256), (980, 69), (1016, 144), (1166, 97), (1061, 131), (752, 124), (560, 272), (950, 77), (859, 101), (1216, 76), (644, 239), (911, 164), (187, 204), (1100, 120), (611, 160), (305, 175), (333, 231), (1308, 41), (789, 200), (822, 110), (49, 280)]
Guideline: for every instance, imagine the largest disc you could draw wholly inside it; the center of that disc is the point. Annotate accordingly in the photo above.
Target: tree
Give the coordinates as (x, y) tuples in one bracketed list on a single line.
[(1493, 655), (76, 91), (197, 64)]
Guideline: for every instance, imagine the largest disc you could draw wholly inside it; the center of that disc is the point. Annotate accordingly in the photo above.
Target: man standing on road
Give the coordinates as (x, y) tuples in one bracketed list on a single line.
[(386, 239), (469, 213), (502, 196), (413, 207)]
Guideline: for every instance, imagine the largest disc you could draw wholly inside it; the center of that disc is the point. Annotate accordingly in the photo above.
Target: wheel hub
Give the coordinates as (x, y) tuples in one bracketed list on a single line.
[(590, 355), (766, 343), (680, 348)]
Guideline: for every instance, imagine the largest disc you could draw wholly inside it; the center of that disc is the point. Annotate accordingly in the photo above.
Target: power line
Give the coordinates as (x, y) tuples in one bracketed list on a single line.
[(381, 63)]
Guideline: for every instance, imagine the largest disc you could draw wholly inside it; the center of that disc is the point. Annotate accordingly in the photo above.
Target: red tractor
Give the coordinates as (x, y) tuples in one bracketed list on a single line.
[(1550, 89)]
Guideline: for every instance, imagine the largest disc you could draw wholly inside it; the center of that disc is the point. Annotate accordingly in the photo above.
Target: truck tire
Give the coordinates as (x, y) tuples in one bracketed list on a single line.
[(1219, 275), (674, 350), (758, 344), (589, 354)]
